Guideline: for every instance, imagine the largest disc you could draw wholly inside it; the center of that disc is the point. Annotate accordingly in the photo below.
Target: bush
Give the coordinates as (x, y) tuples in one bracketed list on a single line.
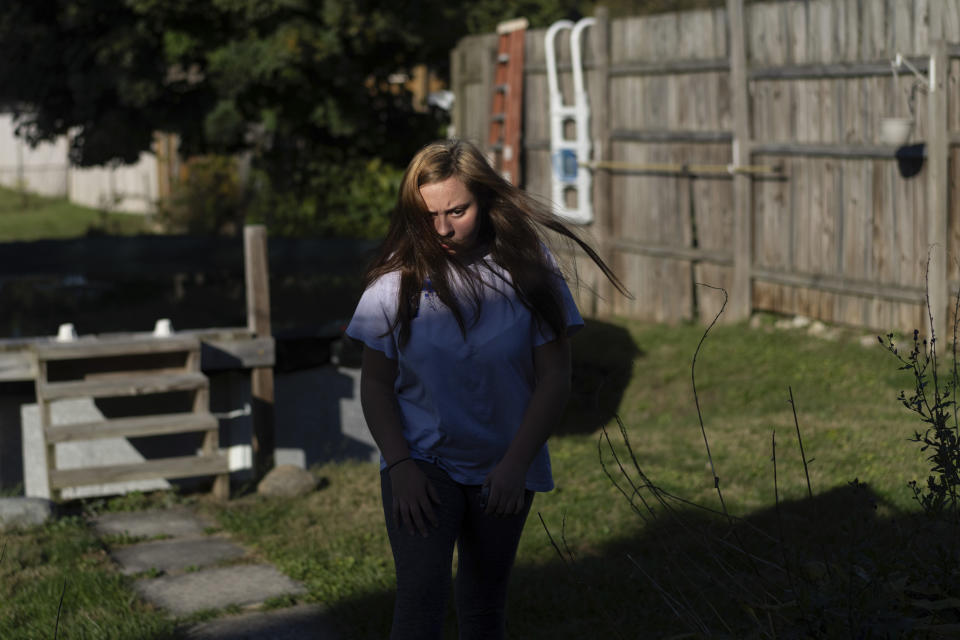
[(351, 198), (210, 199)]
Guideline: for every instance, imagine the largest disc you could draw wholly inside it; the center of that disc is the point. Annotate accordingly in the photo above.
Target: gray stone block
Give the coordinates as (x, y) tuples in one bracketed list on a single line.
[(217, 588), (24, 511), (302, 622), (175, 555), (169, 522), (287, 481)]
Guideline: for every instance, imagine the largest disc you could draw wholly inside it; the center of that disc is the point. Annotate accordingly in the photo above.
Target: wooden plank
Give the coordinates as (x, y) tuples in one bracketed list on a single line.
[(133, 427), (938, 187), (668, 67), (846, 286), (168, 468), (627, 245), (211, 445), (882, 265), (216, 355), (949, 19), (900, 15), (800, 198), (105, 347), (256, 269), (811, 149), (258, 320), (600, 107), (219, 355), (17, 366), (953, 239), (664, 136), (126, 386), (740, 303), (458, 81), (818, 31), (43, 408), (922, 19)]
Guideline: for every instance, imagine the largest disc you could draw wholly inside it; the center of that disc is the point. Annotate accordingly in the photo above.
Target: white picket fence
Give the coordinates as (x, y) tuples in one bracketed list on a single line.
[(46, 170)]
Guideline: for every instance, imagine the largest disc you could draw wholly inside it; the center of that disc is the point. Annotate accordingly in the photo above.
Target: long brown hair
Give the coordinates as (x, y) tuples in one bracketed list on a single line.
[(511, 223)]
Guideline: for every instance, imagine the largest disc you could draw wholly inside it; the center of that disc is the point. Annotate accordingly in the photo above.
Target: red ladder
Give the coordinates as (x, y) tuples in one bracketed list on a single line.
[(506, 119)]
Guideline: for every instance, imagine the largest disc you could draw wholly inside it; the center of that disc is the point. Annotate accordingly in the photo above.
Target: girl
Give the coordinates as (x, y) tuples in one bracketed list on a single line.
[(465, 372)]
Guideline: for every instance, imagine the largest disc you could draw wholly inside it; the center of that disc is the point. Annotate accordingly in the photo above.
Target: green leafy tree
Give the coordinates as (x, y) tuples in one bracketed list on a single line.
[(301, 84)]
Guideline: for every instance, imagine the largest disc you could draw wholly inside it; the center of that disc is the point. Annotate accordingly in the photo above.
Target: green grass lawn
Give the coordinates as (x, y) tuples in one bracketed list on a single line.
[(26, 217), (620, 563), (852, 426)]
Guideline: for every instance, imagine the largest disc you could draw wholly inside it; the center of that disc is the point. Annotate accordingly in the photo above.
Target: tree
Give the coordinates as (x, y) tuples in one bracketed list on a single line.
[(303, 84), (212, 71)]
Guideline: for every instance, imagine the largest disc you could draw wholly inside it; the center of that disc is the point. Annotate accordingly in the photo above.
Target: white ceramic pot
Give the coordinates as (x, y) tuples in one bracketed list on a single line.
[(895, 131)]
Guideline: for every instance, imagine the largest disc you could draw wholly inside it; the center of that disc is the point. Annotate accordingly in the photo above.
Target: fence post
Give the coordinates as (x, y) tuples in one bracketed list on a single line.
[(459, 110), (741, 298), (938, 186), (256, 269), (603, 227)]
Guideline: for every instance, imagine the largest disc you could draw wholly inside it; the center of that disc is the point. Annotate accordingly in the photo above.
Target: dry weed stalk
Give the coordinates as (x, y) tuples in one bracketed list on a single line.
[(63, 592), (568, 561), (696, 397)]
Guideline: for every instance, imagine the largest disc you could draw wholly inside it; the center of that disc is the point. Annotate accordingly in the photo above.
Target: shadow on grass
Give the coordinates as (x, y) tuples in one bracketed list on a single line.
[(603, 357), (831, 566)]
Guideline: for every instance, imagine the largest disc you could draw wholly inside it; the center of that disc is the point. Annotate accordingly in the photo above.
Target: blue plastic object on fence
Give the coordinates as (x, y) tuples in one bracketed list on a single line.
[(565, 165)]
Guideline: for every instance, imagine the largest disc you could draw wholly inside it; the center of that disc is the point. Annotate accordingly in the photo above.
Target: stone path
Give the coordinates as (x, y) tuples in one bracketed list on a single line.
[(193, 569)]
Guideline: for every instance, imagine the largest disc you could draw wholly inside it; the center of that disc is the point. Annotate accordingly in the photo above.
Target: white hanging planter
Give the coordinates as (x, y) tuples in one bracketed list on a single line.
[(895, 131)]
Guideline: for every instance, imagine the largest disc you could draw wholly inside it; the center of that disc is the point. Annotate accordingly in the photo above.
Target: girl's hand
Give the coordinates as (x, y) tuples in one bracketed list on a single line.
[(507, 489), (413, 498)]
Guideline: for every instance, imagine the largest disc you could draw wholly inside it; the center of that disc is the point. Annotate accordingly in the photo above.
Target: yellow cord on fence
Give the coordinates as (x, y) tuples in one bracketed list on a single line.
[(683, 168)]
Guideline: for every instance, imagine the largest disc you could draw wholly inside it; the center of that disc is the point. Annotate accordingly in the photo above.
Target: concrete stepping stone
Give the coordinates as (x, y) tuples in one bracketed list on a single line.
[(302, 622), (174, 555), (167, 522), (217, 588)]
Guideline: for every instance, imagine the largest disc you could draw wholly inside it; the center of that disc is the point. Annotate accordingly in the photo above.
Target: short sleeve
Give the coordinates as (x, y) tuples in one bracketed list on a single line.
[(571, 315), (373, 319)]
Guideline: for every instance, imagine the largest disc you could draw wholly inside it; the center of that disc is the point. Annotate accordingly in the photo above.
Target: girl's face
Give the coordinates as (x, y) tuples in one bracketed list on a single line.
[(454, 212)]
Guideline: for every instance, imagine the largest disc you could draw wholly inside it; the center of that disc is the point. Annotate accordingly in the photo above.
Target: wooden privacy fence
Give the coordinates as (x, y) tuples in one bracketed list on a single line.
[(842, 234)]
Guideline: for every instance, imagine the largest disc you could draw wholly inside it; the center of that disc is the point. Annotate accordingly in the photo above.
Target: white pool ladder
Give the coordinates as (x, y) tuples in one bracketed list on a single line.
[(568, 155)]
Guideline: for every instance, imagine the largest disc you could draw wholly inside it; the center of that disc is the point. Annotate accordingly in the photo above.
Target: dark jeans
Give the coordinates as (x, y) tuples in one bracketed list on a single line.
[(486, 547)]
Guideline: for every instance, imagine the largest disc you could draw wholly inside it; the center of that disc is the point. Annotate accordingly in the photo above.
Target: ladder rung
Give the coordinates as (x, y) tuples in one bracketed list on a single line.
[(137, 426), (182, 467), (122, 386), (502, 88), (498, 117), (108, 348)]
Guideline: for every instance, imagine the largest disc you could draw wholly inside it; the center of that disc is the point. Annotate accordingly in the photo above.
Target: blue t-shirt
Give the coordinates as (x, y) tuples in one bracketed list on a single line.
[(462, 401)]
